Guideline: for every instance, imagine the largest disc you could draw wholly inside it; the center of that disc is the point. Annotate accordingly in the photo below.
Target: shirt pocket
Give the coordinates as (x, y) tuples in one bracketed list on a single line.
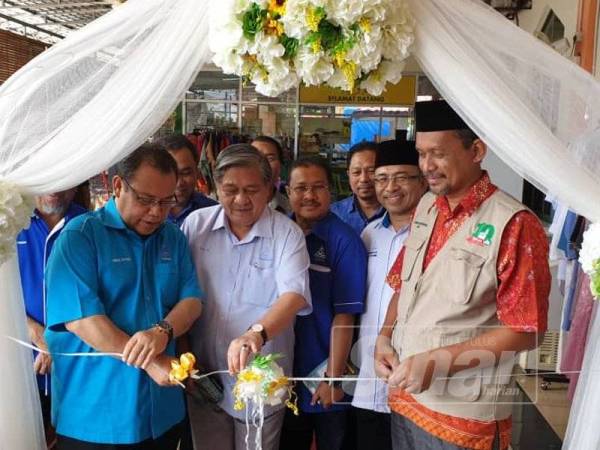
[(260, 284), (412, 248), (463, 270), (167, 277)]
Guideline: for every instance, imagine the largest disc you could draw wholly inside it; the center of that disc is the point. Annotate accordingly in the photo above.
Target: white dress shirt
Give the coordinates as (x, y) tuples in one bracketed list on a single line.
[(383, 245), (242, 279)]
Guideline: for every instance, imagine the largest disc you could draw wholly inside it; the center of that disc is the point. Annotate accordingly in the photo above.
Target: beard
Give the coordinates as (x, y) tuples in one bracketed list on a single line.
[(50, 209)]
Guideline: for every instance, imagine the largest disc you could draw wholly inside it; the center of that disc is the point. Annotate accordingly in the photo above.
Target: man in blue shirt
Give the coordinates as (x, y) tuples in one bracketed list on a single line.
[(338, 272), (362, 207), (187, 159), (34, 244), (121, 280)]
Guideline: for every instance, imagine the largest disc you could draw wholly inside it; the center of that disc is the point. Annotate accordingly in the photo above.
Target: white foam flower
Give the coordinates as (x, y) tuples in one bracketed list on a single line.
[(366, 54), (15, 214), (590, 249), (397, 42), (295, 19), (226, 37), (266, 48), (345, 12), (387, 72), (340, 80), (313, 68)]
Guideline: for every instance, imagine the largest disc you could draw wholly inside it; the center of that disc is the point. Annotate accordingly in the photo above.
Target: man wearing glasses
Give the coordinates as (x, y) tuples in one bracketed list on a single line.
[(338, 272), (399, 186), (254, 265), (120, 280), (362, 207)]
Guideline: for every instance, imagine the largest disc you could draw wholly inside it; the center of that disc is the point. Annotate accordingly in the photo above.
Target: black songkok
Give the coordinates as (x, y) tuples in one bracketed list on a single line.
[(437, 115), (393, 153)]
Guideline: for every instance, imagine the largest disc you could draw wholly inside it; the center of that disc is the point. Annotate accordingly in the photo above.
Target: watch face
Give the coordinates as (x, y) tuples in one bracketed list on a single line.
[(257, 328)]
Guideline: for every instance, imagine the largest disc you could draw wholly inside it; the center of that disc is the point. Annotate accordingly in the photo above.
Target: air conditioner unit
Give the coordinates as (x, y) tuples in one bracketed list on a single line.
[(545, 357)]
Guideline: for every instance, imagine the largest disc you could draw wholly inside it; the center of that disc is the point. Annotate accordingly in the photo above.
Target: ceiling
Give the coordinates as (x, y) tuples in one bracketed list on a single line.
[(50, 20)]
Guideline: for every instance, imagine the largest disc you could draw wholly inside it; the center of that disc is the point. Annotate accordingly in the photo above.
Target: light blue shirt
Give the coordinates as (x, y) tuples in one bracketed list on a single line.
[(98, 266), (383, 245), (243, 279), (349, 211)]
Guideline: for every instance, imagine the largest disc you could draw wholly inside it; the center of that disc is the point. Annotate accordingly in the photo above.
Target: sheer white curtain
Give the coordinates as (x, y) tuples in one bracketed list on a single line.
[(94, 97), (72, 112), (524, 99)]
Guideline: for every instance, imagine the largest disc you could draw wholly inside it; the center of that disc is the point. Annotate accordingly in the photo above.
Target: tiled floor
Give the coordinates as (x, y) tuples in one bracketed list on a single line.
[(540, 421)]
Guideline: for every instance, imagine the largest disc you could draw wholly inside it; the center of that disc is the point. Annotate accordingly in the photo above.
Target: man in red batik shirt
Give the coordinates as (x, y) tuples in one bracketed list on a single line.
[(471, 290)]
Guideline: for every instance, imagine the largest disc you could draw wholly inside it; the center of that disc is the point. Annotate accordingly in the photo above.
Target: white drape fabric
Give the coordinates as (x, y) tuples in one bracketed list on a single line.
[(70, 113), (91, 99), (527, 102), (88, 101)]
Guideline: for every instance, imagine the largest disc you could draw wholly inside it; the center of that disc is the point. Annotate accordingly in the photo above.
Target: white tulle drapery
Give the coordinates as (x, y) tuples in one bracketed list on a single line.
[(73, 111), (91, 99), (529, 103)]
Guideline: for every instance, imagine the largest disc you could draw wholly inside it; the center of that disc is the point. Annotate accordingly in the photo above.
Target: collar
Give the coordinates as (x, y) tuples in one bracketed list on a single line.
[(261, 228), (355, 207), (111, 217), (476, 195), (321, 227), (385, 222)]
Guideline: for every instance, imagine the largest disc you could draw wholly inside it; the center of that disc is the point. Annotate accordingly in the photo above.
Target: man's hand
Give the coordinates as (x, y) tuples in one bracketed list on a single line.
[(240, 349), (414, 374), (159, 369), (144, 346), (326, 395), (42, 363), (386, 358)]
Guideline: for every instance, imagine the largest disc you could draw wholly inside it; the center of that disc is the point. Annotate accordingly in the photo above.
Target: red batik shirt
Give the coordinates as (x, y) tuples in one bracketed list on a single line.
[(522, 304)]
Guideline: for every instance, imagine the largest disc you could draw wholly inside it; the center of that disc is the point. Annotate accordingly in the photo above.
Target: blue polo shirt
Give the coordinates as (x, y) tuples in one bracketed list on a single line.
[(197, 201), (338, 278), (101, 267), (349, 211), (34, 245)]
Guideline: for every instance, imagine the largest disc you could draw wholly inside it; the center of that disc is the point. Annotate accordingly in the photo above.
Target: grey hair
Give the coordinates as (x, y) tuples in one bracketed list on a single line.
[(242, 155)]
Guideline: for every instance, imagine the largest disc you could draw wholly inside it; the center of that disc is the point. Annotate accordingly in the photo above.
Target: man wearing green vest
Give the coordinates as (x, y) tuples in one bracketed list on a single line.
[(471, 290)]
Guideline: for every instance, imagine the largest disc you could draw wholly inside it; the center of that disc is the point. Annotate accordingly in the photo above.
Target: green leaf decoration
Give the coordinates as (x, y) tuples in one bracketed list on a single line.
[(291, 46), (253, 21), (264, 361), (330, 35)]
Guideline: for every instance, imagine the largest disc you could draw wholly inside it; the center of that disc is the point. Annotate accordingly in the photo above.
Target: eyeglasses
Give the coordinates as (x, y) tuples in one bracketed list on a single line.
[(149, 201), (304, 189), (400, 179)]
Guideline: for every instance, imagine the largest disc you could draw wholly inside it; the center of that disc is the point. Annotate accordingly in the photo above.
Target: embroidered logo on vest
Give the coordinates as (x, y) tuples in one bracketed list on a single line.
[(483, 234)]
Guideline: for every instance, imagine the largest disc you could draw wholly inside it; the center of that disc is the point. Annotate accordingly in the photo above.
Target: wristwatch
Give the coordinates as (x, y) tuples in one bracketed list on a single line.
[(166, 328), (332, 383), (260, 329)]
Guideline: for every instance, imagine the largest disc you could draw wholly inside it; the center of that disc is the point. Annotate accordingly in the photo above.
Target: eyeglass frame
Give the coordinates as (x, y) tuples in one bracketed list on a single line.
[(305, 189), (149, 202), (400, 179)]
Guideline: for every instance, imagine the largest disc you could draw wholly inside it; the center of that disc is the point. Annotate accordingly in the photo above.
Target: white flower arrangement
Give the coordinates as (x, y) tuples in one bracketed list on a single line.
[(276, 44), (15, 214), (589, 257)]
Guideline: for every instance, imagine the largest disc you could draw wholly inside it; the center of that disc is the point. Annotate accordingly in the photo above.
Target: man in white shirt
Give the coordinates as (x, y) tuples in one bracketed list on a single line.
[(399, 185), (254, 264)]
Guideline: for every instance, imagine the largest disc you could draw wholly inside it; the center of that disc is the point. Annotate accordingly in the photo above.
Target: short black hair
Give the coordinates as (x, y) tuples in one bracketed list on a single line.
[(177, 142), (152, 154), (312, 161), (364, 146), (274, 142), (466, 136)]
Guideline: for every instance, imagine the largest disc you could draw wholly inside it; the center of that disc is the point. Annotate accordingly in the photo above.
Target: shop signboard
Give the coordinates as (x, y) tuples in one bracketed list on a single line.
[(404, 93)]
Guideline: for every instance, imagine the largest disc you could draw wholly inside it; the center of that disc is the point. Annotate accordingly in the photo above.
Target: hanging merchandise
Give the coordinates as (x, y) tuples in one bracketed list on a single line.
[(209, 142)]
